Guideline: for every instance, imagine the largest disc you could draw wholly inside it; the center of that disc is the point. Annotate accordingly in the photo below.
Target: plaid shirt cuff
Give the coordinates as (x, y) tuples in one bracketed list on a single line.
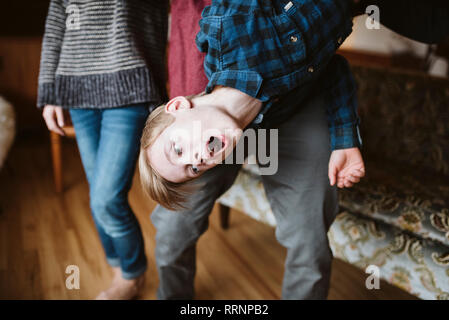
[(248, 82), (345, 137)]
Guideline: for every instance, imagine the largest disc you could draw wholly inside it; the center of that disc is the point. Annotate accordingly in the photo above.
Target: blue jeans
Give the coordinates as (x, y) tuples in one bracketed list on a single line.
[(109, 142)]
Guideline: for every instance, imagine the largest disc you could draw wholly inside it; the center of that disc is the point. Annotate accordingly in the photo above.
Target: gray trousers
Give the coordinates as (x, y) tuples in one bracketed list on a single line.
[(301, 199)]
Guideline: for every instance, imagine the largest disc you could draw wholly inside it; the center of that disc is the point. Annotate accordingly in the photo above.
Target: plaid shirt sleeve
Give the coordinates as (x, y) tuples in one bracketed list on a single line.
[(243, 74), (207, 41), (340, 92)]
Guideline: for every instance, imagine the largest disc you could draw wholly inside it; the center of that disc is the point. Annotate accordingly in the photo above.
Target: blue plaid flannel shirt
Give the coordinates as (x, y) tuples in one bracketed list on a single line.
[(273, 48)]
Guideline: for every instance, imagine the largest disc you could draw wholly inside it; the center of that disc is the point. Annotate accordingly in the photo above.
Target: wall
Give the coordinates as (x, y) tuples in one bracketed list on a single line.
[(19, 69), (21, 29)]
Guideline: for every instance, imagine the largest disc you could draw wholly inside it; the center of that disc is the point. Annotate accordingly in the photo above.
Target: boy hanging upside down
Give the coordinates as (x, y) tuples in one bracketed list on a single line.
[(270, 64), (259, 54)]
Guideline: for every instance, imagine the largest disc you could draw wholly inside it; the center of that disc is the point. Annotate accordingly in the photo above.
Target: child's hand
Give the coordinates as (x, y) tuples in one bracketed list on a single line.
[(346, 167)]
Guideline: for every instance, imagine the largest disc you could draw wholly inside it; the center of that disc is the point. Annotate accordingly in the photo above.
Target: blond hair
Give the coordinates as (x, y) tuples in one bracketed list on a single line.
[(169, 194)]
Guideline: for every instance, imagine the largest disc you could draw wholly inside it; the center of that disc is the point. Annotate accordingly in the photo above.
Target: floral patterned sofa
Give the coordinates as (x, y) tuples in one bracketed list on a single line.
[(398, 217)]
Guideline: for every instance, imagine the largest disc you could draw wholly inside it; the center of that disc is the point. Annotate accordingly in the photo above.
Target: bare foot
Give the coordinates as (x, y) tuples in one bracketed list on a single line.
[(122, 289)]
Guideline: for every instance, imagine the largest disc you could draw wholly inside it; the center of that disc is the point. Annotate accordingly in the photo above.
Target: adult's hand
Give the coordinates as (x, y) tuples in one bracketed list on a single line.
[(54, 118), (346, 167)]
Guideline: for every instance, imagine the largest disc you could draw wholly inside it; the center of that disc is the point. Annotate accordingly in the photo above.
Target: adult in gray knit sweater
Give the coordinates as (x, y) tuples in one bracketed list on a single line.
[(104, 62)]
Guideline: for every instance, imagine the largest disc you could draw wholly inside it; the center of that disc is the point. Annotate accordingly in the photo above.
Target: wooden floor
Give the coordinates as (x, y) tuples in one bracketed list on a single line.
[(41, 233)]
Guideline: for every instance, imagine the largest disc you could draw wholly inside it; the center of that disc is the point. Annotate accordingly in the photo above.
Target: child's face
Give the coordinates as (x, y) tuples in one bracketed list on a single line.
[(199, 139)]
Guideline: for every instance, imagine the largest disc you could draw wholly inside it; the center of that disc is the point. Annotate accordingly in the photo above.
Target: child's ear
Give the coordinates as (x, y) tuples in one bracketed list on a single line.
[(176, 104)]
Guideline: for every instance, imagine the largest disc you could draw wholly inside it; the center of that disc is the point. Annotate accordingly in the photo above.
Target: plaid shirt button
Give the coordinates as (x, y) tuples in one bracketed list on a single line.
[(258, 119), (293, 38), (311, 69), (288, 6)]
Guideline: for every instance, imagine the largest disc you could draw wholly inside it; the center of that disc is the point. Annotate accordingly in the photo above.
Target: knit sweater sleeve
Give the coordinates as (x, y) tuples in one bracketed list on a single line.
[(51, 47)]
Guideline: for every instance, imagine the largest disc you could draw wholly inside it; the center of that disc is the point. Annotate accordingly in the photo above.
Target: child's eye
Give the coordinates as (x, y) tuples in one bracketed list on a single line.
[(195, 170), (177, 150)]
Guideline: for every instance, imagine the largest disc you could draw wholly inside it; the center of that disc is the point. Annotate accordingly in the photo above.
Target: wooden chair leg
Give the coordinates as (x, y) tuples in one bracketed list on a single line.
[(56, 154), (224, 216)]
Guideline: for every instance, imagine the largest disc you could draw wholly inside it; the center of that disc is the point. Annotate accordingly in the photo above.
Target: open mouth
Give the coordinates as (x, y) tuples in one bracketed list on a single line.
[(215, 145)]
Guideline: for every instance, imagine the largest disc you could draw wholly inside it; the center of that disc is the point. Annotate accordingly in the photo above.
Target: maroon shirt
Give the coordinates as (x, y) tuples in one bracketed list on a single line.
[(185, 62)]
